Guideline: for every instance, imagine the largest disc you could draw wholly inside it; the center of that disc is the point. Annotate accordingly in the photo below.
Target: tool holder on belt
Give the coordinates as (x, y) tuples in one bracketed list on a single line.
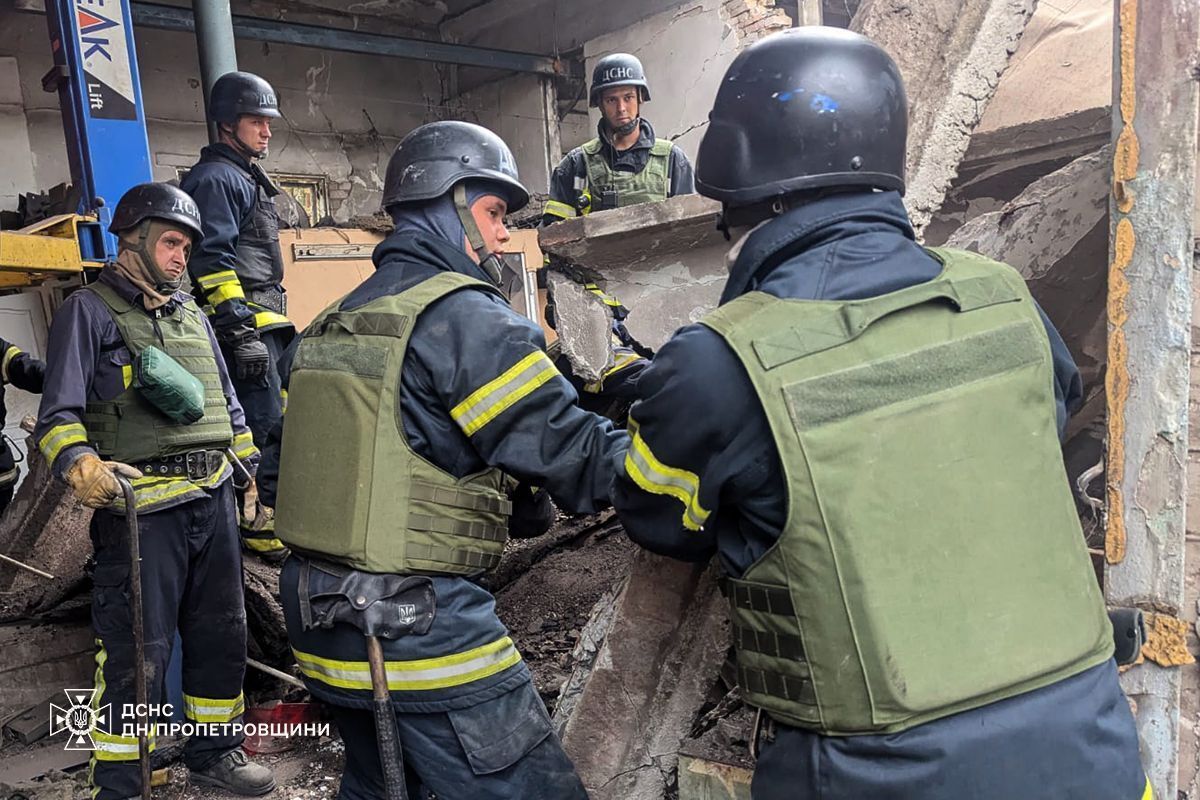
[(382, 606)]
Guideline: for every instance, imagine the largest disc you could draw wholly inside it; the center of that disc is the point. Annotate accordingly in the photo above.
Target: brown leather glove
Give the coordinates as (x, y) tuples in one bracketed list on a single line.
[(94, 481)]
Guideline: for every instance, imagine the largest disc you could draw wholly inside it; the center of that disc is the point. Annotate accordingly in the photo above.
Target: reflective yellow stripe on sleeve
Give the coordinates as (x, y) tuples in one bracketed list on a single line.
[(497, 396), (12, 352), (423, 674), (559, 209), (622, 361), (655, 477), (213, 711), (209, 282), (268, 319), (60, 436), (243, 445), (224, 292)]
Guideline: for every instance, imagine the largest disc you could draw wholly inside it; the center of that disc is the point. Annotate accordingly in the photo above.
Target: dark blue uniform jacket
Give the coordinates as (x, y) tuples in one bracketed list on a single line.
[(699, 412), (459, 344)]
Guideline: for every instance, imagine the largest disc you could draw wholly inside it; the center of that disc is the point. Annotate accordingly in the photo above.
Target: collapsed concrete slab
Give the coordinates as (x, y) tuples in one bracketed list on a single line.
[(665, 643), (665, 262), (952, 54), (582, 323), (44, 527), (1056, 234)]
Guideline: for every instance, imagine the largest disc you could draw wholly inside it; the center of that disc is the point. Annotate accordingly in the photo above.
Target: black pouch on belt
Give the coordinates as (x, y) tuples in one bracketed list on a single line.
[(386, 606)]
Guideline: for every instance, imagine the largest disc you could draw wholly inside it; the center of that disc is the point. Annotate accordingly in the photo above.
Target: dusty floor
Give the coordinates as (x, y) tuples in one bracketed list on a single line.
[(544, 608)]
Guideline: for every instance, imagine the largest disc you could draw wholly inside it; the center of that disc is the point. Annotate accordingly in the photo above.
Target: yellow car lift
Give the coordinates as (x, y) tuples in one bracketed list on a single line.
[(53, 247)]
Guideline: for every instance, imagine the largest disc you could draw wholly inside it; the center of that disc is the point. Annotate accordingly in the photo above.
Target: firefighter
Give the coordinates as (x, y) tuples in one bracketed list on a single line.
[(135, 386), (445, 396), (866, 433), (237, 267), (625, 164), (19, 369)]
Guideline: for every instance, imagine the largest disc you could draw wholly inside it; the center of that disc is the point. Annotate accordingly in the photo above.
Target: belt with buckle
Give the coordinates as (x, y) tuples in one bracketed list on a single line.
[(195, 465)]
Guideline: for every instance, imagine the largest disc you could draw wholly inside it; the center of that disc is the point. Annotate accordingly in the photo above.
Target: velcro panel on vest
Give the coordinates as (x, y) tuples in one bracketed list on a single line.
[(355, 359), (365, 323), (830, 327), (852, 392)]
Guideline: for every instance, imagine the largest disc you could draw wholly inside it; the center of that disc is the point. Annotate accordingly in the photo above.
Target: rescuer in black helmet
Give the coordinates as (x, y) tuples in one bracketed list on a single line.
[(866, 434), (237, 267), (134, 387), (625, 164), (445, 399)]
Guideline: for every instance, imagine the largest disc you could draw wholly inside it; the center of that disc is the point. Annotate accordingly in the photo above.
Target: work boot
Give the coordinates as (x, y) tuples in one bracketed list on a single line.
[(236, 773)]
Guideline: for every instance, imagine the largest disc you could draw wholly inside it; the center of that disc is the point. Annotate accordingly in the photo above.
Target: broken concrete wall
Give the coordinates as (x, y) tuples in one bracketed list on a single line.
[(343, 112), (1044, 114), (1056, 234), (685, 51), (659, 662), (952, 54), (17, 175), (664, 261)]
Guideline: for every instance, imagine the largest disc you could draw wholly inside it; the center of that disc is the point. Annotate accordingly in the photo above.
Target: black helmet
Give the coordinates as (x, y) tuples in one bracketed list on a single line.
[(618, 69), (237, 93), (431, 159), (807, 108), (156, 201)]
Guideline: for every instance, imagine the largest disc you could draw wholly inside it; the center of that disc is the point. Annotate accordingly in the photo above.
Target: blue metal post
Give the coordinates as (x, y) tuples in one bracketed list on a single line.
[(96, 75)]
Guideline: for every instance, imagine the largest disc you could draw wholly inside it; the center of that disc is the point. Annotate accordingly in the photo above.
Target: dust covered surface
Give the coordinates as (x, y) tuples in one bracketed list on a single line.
[(546, 606)]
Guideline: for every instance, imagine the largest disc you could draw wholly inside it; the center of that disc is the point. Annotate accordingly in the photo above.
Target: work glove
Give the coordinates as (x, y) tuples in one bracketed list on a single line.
[(532, 512), (94, 481), (251, 357)]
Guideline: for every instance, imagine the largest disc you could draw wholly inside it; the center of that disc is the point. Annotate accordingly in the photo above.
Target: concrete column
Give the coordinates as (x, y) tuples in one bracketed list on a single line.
[(550, 114), (214, 40), (1155, 104)]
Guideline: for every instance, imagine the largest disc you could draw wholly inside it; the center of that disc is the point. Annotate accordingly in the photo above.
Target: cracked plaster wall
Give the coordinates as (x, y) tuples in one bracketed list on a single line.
[(345, 112), (515, 109), (685, 52)]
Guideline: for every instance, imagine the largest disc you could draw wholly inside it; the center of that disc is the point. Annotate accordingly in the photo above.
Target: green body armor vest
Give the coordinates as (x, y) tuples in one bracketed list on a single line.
[(351, 489), (612, 189), (128, 428), (932, 560)]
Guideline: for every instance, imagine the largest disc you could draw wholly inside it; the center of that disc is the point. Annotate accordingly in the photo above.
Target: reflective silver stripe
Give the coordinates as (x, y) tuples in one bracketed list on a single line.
[(425, 674), (202, 709), (655, 477), (495, 397)]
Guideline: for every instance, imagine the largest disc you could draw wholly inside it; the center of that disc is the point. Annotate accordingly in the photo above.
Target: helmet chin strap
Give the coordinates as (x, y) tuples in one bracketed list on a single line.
[(242, 147), (489, 261), (628, 127)]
